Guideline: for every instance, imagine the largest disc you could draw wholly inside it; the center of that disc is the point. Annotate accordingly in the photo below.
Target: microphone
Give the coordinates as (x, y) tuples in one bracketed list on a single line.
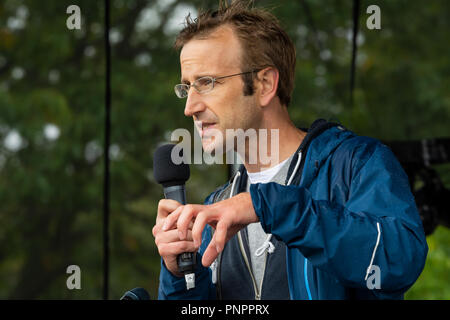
[(136, 294), (173, 177)]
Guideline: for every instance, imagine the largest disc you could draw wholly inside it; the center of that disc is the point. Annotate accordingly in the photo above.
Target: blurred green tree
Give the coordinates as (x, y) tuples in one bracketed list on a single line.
[(51, 120)]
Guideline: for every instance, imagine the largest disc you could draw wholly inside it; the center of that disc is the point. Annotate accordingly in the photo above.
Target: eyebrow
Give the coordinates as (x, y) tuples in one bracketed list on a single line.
[(198, 77)]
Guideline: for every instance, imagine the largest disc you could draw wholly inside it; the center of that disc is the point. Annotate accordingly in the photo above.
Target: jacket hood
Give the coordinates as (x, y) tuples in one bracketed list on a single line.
[(321, 141)]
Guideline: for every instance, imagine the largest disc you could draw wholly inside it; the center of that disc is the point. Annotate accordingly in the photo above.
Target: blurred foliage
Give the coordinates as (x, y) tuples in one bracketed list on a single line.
[(51, 109), (52, 94)]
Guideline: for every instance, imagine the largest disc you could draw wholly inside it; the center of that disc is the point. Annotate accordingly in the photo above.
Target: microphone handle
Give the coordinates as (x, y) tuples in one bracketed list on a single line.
[(187, 260), (177, 193)]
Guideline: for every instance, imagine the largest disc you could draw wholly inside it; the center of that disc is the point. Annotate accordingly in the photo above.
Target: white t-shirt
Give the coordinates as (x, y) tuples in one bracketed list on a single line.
[(265, 176)]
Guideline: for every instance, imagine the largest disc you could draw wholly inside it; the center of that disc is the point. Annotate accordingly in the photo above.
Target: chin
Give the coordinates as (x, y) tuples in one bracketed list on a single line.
[(213, 148)]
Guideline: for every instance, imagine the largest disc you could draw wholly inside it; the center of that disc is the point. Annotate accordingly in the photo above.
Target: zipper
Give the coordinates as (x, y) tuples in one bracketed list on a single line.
[(264, 271), (244, 255)]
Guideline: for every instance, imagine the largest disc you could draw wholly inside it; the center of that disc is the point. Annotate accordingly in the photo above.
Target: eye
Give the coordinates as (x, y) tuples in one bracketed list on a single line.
[(204, 82)]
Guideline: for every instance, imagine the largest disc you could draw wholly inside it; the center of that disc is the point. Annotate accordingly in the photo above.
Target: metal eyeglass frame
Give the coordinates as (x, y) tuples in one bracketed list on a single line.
[(178, 88)]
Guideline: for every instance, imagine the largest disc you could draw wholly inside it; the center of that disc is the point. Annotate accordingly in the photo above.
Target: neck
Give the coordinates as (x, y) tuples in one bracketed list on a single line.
[(283, 139)]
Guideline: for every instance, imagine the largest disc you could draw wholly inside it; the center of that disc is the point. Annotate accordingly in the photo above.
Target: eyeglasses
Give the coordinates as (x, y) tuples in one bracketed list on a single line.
[(202, 85)]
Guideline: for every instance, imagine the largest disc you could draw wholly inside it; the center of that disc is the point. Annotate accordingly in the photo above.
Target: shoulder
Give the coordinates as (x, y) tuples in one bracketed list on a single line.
[(365, 154), (360, 148)]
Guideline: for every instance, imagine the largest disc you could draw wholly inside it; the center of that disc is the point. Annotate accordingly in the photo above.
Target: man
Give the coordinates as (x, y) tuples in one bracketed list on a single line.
[(333, 218)]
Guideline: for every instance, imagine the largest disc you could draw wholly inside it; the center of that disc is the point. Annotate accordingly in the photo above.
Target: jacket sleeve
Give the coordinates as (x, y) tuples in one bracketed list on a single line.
[(174, 288), (379, 225)]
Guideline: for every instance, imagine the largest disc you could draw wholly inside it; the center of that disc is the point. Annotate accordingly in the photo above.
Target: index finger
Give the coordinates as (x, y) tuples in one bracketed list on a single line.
[(210, 254), (165, 207)]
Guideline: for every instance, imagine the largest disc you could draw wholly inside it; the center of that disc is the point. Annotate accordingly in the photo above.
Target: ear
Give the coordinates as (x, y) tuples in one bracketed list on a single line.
[(267, 82)]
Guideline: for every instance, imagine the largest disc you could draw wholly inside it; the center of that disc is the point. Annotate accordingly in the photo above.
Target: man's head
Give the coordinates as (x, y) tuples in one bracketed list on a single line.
[(235, 39)]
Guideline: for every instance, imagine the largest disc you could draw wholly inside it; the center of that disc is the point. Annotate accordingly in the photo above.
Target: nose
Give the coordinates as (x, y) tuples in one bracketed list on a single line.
[(194, 103)]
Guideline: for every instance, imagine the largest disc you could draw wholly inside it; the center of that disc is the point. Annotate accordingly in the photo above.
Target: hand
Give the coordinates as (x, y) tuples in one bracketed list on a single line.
[(227, 217), (168, 241)]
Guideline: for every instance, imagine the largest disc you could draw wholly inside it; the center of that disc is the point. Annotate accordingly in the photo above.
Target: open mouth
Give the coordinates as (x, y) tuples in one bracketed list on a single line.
[(205, 127)]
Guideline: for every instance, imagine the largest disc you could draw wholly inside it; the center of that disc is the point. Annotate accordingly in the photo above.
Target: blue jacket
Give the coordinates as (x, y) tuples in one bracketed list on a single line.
[(348, 219)]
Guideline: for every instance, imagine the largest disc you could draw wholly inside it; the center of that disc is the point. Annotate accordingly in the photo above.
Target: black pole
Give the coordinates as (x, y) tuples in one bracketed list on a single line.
[(356, 5), (106, 187)]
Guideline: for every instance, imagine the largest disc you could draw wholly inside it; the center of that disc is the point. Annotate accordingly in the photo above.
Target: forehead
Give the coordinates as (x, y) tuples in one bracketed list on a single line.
[(219, 52)]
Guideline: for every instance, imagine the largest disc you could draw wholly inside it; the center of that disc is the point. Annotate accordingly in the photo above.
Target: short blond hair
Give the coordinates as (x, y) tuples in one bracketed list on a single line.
[(264, 42)]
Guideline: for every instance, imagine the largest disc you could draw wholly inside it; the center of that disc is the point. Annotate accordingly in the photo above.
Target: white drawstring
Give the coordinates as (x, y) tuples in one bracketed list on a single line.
[(234, 183), (213, 267), (267, 244), (296, 168), (374, 250)]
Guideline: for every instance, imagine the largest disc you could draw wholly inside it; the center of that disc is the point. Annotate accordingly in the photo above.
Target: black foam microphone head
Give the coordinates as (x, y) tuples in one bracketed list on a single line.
[(165, 171), (136, 294)]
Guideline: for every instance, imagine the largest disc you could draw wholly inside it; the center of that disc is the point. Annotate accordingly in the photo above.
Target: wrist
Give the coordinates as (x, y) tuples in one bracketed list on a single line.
[(175, 272), (246, 199)]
